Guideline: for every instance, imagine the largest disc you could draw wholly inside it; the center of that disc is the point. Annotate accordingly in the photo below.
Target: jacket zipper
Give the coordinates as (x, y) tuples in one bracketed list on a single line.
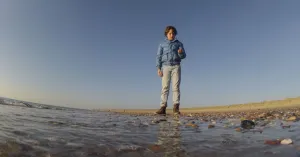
[(171, 53)]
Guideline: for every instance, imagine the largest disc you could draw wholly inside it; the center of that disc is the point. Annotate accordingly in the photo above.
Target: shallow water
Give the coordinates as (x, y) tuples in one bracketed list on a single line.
[(80, 133)]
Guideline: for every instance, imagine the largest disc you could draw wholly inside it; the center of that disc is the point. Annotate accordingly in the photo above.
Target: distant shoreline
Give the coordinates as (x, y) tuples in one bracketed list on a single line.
[(264, 105)]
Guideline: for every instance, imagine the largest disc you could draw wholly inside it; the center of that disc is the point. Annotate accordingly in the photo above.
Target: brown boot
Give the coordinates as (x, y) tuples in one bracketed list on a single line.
[(161, 111), (176, 109)]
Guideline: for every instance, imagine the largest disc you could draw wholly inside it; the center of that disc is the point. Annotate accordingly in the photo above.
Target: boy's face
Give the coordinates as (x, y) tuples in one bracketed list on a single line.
[(171, 35)]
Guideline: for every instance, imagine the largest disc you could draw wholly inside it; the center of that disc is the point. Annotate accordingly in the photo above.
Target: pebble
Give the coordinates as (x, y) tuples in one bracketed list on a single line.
[(293, 118), (272, 142), (211, 126), (285, 126), (247, 124), (192, 125), (155, 148), (262, 115), (238, 129), (286, 141)]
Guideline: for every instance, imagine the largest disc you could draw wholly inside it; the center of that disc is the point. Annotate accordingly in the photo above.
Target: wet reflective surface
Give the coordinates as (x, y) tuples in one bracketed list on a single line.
[(80, 133)]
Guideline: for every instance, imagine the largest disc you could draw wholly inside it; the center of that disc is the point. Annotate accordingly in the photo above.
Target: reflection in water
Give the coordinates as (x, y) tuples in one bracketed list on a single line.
[(169, 138), (31, 132)]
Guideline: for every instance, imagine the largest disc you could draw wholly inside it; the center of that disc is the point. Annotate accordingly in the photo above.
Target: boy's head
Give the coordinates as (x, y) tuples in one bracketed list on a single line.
[(170, 32)]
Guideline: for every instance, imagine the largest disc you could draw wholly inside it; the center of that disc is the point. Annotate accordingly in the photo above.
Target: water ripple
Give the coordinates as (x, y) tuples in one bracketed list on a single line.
[(58, 133)]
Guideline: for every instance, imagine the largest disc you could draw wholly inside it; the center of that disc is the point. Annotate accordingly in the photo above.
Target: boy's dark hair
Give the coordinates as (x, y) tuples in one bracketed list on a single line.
[(168, 28)]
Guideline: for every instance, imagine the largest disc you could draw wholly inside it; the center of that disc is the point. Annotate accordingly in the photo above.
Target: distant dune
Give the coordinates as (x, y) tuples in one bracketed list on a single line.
[(285, 103)]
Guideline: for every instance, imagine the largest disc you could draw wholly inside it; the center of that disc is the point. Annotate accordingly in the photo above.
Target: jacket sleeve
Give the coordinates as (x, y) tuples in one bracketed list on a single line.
[(183, 54), (158, 57)]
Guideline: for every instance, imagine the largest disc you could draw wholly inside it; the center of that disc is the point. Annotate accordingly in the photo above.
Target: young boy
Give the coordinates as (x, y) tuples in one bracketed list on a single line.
[(169, 55)]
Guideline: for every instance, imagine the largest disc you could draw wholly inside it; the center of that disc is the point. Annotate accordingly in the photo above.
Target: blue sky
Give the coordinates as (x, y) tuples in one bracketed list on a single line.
[(99, 54)]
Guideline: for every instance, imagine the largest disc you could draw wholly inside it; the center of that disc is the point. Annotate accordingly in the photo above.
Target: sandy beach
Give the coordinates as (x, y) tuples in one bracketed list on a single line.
[(246, 107)]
